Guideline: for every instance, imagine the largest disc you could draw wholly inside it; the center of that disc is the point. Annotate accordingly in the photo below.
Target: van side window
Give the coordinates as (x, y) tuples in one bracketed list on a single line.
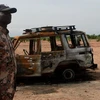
[(56, 43), (45, 44), (59, 44), (71, 41), (79, 41), (52, 43), (23, 47)]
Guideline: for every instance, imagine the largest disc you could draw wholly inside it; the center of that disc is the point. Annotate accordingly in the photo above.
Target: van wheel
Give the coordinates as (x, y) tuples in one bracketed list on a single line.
[(68, 74)]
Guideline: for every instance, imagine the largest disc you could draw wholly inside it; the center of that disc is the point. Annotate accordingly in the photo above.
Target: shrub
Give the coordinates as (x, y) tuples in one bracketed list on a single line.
[(98, 39)]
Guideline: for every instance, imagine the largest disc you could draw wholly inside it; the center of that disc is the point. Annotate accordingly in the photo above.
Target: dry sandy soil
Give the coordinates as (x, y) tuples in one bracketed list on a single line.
[(88, 89)]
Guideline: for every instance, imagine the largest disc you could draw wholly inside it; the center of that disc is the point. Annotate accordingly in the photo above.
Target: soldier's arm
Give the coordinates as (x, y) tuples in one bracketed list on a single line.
[(2, 51)]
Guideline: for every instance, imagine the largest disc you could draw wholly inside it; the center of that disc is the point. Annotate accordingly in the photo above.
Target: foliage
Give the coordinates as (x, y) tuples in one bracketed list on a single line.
[(46, 39), (98, 38), (93, 36)]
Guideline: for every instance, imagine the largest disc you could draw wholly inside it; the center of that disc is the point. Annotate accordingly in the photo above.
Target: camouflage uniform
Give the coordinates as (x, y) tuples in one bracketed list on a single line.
[(7, 66)]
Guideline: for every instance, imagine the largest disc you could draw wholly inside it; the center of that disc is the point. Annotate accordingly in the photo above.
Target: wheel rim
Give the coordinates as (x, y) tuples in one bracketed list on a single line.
[(68, 74)]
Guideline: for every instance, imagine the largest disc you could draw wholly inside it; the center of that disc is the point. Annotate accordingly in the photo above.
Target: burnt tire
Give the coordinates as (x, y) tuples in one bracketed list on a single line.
[(68, 74)]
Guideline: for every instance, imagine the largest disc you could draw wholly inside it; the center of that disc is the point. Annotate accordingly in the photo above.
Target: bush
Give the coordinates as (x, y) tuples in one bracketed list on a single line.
[(93, 36), (98, 39)]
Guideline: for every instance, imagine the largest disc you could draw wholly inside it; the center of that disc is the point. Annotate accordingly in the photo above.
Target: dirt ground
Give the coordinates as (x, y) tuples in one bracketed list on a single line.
[(86, 89)]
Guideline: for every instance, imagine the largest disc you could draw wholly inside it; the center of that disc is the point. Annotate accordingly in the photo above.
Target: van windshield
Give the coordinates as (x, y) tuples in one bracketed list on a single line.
[(76, 40)]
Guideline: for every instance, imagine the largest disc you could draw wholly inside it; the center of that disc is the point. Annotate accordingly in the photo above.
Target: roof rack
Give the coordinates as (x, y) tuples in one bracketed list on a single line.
[(51, 28)]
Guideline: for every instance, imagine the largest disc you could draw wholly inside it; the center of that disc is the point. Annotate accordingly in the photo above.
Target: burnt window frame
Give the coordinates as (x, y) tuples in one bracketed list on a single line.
[(83, 38)]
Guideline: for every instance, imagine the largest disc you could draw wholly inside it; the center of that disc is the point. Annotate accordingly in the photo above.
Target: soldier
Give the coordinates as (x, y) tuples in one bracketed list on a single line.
[(7, 58)]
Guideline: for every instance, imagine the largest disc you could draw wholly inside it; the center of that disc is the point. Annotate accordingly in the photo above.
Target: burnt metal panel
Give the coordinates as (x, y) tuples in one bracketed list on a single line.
[(29, 65), (50, 60)]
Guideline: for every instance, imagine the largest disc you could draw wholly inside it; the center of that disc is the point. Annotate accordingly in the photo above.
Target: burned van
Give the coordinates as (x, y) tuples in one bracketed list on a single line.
[(62, 51)]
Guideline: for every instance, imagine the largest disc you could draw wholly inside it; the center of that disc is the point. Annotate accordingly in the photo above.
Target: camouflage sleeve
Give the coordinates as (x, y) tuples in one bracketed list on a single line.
[(2, 51)]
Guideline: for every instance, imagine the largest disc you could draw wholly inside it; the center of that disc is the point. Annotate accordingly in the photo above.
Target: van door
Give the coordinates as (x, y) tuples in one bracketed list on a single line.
[(52, 53), (28, 65), (28, 61)]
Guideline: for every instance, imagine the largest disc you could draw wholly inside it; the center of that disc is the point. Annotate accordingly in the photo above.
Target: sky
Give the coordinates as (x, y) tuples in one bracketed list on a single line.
[(84, 14)]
